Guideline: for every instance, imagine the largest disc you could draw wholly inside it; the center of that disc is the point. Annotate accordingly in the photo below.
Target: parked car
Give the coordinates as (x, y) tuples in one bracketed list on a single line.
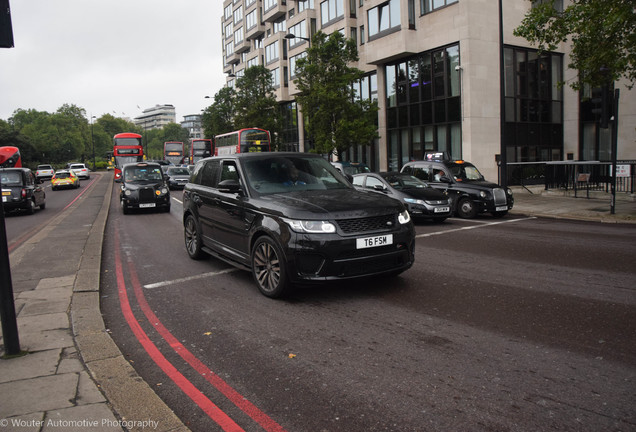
[(21, 190), (143, 186), (177, 177), (351, 168), (465, 185), (64, 179), (80, 170), (421, 200), (292, 218), (44, 172)]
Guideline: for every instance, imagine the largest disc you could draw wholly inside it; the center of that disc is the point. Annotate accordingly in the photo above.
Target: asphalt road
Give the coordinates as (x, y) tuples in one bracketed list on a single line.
[(20, 226), (517, 324)]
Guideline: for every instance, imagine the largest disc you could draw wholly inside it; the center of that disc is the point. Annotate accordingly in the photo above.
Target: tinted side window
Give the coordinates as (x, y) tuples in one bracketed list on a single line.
[(372, 182), (359, 180), (421, 172), (229, 171), (210, 173)]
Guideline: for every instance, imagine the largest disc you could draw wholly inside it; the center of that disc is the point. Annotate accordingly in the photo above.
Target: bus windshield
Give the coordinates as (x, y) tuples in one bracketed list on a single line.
[(254, 140)]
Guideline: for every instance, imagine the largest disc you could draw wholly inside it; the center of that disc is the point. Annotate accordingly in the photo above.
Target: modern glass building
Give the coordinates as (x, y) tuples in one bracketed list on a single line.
[(434, 68)]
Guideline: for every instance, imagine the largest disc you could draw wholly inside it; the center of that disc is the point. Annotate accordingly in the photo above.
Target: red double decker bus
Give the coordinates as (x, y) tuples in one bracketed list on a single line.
[(127, 148), (174, 151), (10, 157), (200, 149), (242, 141)]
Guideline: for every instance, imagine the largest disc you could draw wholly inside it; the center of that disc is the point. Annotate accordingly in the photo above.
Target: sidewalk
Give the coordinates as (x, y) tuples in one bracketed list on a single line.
[(563, 205), (74, 377)]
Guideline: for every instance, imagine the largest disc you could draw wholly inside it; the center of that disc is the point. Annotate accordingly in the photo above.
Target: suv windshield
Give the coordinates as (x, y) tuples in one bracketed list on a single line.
[(11, 178), (465, 172), (278, 174), (140, 174)]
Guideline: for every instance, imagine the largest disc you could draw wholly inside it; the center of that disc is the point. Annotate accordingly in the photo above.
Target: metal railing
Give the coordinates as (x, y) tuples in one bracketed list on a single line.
[(573, 175)]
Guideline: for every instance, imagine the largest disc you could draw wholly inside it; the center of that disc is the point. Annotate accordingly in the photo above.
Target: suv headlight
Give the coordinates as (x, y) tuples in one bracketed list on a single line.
[(310, 226), (404, 217), (483, 194)]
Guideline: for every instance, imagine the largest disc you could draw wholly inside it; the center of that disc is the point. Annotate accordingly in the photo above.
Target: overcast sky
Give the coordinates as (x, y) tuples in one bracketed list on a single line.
[(112, 56)]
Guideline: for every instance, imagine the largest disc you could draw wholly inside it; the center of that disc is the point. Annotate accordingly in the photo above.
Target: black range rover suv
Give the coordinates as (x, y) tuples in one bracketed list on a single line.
[(292, 218), (469, 191)]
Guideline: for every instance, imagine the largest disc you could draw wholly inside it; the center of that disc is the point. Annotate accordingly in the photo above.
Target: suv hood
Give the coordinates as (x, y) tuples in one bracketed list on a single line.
[(338, 203)]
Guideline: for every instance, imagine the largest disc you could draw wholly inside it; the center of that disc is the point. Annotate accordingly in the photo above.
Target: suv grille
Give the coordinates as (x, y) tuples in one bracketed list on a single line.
[(146, 195), (361, 225), (500, 196)]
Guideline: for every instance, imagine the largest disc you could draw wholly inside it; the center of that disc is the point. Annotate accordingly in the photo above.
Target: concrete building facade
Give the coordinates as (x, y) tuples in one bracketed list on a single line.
[(156, 117), (434, 68)]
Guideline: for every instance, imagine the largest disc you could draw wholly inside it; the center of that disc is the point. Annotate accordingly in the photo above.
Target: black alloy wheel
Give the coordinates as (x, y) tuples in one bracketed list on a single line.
[(466, 208), (192, 237), (268, 268)]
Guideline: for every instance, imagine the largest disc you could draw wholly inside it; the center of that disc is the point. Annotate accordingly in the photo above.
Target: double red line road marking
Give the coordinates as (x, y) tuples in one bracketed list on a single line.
[(211, 409)]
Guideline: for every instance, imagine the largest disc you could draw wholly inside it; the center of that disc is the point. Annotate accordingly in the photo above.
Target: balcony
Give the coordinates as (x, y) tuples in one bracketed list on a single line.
[(275, 12)]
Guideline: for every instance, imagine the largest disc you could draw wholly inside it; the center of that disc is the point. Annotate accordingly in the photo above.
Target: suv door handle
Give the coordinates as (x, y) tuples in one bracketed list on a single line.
[(197, 200)]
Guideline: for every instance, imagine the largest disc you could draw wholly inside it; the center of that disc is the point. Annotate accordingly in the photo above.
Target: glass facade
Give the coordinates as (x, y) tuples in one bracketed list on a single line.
[(533, 105), (423, 106)]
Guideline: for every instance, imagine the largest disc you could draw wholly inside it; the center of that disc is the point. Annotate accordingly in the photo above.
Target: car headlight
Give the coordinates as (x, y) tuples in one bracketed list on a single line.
[(161, 191), (309, 226), (127, 192), (404, 217), (414, 201), (483, 194), (509, 191)]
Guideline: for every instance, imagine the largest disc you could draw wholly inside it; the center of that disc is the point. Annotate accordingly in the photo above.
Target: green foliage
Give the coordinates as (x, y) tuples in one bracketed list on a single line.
[(336, 119), (68, 135), (602, 34), (218, 118), (255, 102)]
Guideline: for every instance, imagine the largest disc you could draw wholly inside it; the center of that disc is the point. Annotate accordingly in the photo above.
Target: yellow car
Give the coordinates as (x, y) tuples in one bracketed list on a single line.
[(64, 179)]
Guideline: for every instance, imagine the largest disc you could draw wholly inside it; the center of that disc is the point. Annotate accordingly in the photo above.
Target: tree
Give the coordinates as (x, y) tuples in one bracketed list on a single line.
[(255, 102), (218, 118), (336, 117), (602, 33)]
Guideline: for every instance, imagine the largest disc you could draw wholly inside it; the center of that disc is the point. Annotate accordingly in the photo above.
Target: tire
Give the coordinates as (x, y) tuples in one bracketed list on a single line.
[(31, 208), (466, 208), (125, 209), (192, 237), (269, 268), (42, 206)]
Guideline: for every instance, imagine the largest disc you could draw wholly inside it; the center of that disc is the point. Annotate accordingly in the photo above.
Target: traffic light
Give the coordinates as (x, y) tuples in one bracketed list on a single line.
[(602, 105), (6, 31)]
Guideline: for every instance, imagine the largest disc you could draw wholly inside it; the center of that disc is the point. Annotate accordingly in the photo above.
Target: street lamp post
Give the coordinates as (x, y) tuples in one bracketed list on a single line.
[(293, 36), (93, 143)]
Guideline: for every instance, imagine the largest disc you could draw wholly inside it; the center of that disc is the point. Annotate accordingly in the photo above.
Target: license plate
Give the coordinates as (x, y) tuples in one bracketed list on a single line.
[(442, 209), (147, 205), (376, 241), (5, 199), (501, 208)]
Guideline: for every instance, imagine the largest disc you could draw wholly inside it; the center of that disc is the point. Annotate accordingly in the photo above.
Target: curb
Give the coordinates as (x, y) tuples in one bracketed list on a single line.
[(130, 397)]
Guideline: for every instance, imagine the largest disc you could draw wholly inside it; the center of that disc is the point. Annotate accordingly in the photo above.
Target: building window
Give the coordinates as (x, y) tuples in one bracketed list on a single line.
[(305, 4), (249, 3), (557, 4), (252, 62), (271, 53), (330, 11), (292, 62), (227, 12), (384, 19), (229, 30), (238, 36), (427, 6), (533, 105), (269, 4), (280, 25), (276, 77), (300, 31), (251, 20), (423, 106)]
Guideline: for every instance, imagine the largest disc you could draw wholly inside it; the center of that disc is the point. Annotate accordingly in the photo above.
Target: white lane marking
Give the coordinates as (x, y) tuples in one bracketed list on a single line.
[(472, 227), (180, 202), (188, 279)]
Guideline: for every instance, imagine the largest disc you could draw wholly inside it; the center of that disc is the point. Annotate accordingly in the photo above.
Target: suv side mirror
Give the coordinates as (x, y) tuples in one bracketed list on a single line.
[(379, 187), (229, 186)]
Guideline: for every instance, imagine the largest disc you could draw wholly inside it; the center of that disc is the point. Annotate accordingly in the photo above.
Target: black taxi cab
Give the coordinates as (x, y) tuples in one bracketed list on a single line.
[(470, 192), (143, 186)]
